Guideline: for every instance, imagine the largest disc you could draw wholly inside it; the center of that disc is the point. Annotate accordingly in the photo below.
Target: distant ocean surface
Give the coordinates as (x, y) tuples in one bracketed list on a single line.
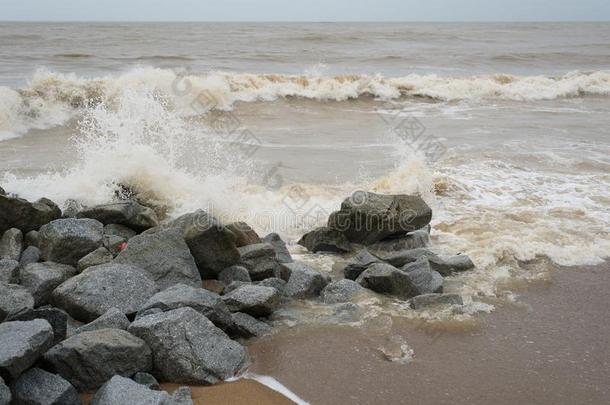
[(504, 129)]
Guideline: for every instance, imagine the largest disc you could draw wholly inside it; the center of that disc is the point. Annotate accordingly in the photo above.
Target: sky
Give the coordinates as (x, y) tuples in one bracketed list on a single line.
[(305, 10)]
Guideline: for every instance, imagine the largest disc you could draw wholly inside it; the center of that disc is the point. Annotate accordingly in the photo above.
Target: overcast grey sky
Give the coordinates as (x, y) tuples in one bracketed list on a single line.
[(305, 10)]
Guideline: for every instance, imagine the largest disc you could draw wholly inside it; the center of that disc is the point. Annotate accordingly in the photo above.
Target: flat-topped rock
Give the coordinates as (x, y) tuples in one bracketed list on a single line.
[(99, 288), (57, 318)]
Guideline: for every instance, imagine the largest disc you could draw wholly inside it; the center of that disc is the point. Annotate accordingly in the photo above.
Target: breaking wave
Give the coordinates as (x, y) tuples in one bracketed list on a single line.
[(51, 98)]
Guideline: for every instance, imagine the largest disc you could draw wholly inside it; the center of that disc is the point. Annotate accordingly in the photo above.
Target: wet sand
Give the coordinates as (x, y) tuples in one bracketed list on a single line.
[(550, 348)]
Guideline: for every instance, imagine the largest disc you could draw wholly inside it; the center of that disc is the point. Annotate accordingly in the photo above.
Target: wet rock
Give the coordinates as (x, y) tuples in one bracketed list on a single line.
[(5, 392), (89, 359), (31, 239), (165, 256), (98, 256), (2, 192), (274, 282), (259, 260), (244, 234), (9, 271), (234, 286), (127, 213), (387, 279), (113, 244), (340, 291), (146, 380), (453, 264), (253, 300), (30, 255), (123, 391), (11, 244), (304, 281), (93, 292), (68, 240), (282, 254), (24, 215), (325, 239), (368, 217), (211, 244), (22, 344), (14, 299), (71, 208), (119, 230), (234, 273), (41, 279), (424, 279), (39, 387), (412, 240), (111, 319), (402, 257), (428, 300), (57, 318), (247, 326), (182, 396), (201, 300), (188, 348), (359, 263)]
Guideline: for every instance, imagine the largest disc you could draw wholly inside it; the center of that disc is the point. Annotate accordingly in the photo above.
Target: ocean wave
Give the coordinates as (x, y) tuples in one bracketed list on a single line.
[(50, 92)]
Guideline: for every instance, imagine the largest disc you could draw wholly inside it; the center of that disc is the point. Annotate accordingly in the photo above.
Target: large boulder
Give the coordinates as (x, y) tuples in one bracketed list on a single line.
[(98, 256), (201, 300), (114, 318), (24, 215), (123, 391), (304, 281), (11, 244), (368, 217), (211, 243), (14, 299), (22, 344), (387, 279), (359, 263), (340, 291), (89, 359), (5, 393), (260, 261), (254, 300), (57, 318), (325, 239), (244, 234), (127, 213), (39, 387), (40, 279), (188, 348), (68, 240), (165, 256), (281, 251), (9, 271), (99, 288)]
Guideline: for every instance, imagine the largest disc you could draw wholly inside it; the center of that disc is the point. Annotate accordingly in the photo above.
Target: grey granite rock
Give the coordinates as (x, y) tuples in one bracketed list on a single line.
[(9, 271), (244, 234), (22, 344), (234, 273), (325, 239), (428, 300), (119, 230), (99, 256), (340, 291), (260, 261), (359, 263), (5, 393), (40, 279), (254, 300), (39, 387), (14, 299), (30, 255), (128, 213), (304, 281), (11, 244), (124, 391), (114, 318), (281, 251), (57, 318), (146, 379), (68, 240)]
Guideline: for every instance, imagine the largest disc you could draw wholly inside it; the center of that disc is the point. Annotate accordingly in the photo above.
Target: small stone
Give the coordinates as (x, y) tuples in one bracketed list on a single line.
[(247, 326), (9, 271), (259, 260), (124, 391), (39, 387), (215, 286), (340, 291), (324, 239), (147, 380), (234, 273), (30, 255), (68, 240), (41, 279), (281, 251), (99, 288), (89, 359), (427, 300), (111, 319), (14, 299), (11, 244), (98, 256), (188, 348), (254, 300), (22, 344), (304, 281)]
